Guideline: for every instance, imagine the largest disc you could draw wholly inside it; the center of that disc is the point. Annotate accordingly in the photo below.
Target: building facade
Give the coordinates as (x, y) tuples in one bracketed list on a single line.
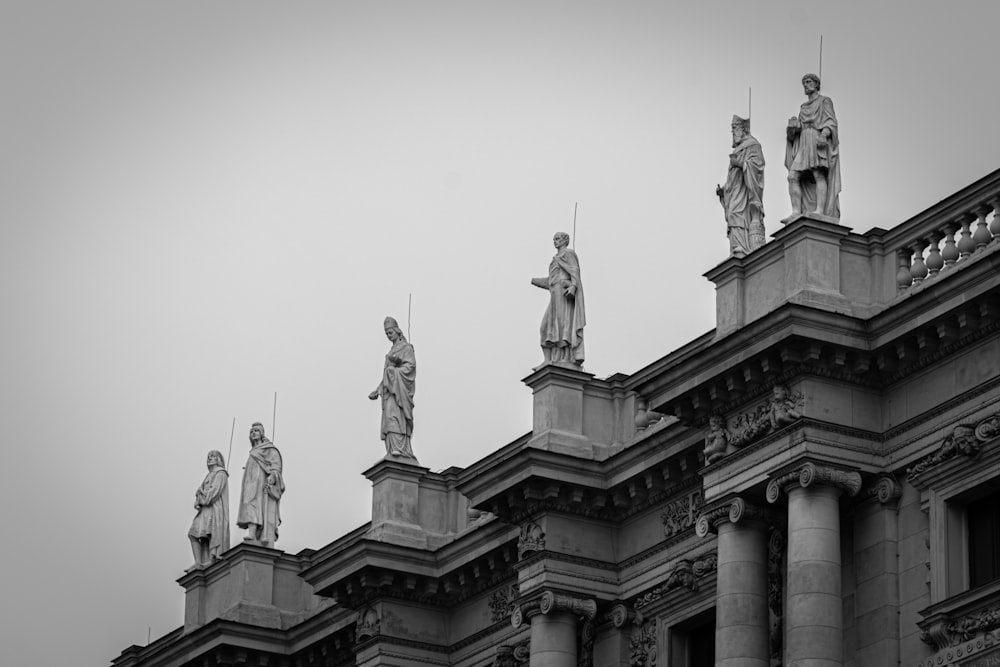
[(816, 482)]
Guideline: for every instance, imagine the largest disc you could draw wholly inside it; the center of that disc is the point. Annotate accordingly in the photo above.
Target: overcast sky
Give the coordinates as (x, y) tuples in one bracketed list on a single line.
[(204, 203)]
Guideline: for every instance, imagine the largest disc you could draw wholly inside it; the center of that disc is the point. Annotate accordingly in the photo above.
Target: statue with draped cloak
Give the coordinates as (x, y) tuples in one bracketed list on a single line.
[(398, 384), (564, 319), (263, 487), (743, 193), (812, 155), (209, 532)]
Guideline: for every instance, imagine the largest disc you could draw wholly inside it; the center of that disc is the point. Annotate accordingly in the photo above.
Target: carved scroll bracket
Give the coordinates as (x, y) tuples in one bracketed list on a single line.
[(883, 488), (809, 474)]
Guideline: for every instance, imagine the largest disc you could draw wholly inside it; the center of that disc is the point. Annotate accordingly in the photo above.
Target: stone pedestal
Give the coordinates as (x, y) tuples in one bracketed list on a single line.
[(741, 610), (802, 265), (396, 503), (572, 413)]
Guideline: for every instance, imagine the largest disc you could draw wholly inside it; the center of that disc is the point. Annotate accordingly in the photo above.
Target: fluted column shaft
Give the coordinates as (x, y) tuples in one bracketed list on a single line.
[(814, 615), (741, 612)]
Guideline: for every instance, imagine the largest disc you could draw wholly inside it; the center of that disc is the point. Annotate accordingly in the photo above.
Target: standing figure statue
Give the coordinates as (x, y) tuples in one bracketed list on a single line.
[(209, 532), (263, 487), (742, 197), (564, 319), (812, 154), (399, 382)]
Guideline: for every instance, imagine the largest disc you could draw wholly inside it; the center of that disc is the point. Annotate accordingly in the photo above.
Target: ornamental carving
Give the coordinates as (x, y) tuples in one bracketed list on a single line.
[(775, 585), (733, 511), (679, 515), (588, 633), (782, 409), (684, 575), (530, 540), (809, 474), (501, 603), (562, 602), (368, 623), (642, 644), (512, 656), (943, 635), (884, 488), (621, 615), (965, 440)]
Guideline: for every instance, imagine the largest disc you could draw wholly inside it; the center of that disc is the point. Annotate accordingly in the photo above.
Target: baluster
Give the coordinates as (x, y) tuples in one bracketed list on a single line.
[(903, 277), (950, 252), (995, 223), (918, 269), (934, 260), (965, 244), (982, 237)]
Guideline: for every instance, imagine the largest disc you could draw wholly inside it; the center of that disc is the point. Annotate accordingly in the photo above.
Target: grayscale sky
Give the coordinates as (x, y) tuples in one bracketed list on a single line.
[(204, 203)]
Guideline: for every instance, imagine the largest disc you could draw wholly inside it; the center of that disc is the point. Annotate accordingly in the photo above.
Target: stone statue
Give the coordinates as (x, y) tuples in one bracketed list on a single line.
[(716, 440), (783, 408), (743, 193), (209, 532), (263, 487), (563, 322), (812, 154), (399, 382)]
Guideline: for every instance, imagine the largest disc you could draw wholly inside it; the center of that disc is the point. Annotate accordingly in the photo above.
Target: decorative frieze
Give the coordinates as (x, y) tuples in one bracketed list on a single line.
[(808, 474), (501, 602), (685, 574), (531, 539), (780, 410), (679, 515), (964, 440), (943, 635)]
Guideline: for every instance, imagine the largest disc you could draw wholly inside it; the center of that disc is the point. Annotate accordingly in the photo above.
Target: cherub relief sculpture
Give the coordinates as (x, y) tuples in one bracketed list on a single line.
[(783, 408), (716, 441)]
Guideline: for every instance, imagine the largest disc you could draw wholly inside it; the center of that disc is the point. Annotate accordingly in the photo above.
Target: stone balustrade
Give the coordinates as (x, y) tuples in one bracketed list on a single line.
[(946, 235)]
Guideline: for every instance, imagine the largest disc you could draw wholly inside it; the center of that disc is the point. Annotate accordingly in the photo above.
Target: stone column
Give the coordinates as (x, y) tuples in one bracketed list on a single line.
[(814, 624), (553, 619), (741, 610)]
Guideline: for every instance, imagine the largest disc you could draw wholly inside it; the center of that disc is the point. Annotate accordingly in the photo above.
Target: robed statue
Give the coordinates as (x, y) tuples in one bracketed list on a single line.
[(209, 532), (743, 195), (812, 155), (398, 384), (564, 319), (263, 486)]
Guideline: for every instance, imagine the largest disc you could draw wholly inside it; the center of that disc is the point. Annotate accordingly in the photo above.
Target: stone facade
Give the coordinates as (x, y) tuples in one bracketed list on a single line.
[(849, 404)]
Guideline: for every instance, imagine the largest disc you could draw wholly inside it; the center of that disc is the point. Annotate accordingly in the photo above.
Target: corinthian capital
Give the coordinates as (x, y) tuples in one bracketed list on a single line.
[(810, 474)]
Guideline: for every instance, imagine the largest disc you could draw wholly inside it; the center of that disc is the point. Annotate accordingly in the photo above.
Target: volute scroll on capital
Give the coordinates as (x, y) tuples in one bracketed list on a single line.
[(809, 474), (883, 488), (550, 601), (733, 511)]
